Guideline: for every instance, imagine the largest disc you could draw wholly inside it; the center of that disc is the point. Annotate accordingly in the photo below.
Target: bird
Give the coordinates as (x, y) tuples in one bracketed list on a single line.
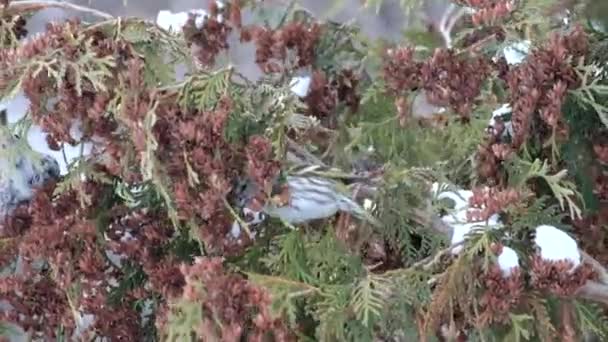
[(302, 193), (22, 170)]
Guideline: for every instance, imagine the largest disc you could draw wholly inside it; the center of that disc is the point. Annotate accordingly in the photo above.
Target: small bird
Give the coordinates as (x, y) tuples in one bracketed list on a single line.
[(309, 197), (304, 194), (22, 170)]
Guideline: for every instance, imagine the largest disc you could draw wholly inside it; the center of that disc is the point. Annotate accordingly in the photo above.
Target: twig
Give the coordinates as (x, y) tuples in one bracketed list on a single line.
[(594, 291), (429, 219), (475, 47), (240, 221), (33, 5), (448, 20), (597, 266), (427, 263)]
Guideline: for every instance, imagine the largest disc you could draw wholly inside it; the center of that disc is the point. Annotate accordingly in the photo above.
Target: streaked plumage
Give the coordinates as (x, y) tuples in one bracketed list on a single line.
[(309, 197), (312, 198)]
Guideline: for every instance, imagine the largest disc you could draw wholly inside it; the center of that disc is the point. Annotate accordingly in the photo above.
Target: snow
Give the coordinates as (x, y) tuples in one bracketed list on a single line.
[(174, 22), (17, 108), (508, 261), (515, 53), (457, 218), (300, 85), (504, 109), (462, 227), (37, 140), (171, 22), (235, 230), (83, 322), (556, 245), (368, 204), (460, 197)]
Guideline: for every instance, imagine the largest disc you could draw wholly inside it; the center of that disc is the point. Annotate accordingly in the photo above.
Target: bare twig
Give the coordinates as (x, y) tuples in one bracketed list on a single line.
[(594, 291), (427, 263), (17, 7), (240, 221), (448, 20), (430, 219), (597, 267)]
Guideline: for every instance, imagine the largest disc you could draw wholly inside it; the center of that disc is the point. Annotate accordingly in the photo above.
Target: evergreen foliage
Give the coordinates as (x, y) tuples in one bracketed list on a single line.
[(138, 232)]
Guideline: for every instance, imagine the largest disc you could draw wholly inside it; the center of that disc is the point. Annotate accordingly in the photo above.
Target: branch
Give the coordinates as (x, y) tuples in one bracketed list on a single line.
[(594, 291), (18, 7), (597, 267)]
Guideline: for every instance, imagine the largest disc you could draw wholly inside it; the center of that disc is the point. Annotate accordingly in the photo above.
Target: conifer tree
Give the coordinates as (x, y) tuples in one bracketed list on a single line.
[(450, 187)]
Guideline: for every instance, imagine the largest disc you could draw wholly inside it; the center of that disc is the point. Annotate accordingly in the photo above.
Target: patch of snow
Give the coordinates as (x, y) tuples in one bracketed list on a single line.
[(83, 322), (175, 22), (508, 261), (368, 204), (460, 198), (504, 109), (16, 107), (115, 258), (556, 245), (235, 231), (457, 218), (16, 110), (37, 140), (170, 21), (199, 20), (300, 85), (462, 227), (517, 52)]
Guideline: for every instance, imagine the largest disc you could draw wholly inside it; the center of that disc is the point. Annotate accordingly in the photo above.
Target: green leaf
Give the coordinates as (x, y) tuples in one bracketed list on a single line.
[(370, 298), (136, 32), (519, 328), (591, 318)]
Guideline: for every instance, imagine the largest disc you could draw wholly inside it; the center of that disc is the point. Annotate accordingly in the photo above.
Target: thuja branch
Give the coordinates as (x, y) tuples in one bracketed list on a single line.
[(18, 7)]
